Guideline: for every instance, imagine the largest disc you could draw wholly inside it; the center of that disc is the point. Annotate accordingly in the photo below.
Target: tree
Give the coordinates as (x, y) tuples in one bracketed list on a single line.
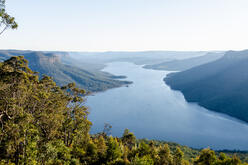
[(145, 160), (165, 157), (39, 121), (144, 149), (6, 21), (178, 157), (128, 139), (15, 122), (101, 149), (42, 123), (207, 157), (113, 150), (107, 129)]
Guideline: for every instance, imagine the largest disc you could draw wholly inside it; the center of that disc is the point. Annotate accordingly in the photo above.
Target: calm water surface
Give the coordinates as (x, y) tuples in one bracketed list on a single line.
[(150, 109)]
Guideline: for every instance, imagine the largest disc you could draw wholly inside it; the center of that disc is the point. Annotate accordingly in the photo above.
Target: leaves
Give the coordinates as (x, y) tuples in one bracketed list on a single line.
[(42, 123), (6, 21), (36, 115)]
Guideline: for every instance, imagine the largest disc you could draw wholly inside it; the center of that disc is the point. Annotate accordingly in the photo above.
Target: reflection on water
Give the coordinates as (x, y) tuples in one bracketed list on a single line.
[(150, 109)]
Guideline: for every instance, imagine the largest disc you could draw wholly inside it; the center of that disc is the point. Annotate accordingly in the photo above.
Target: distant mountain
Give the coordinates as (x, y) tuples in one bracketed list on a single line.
[(53, 64), (184, 64), (139, 57), (221, 86)]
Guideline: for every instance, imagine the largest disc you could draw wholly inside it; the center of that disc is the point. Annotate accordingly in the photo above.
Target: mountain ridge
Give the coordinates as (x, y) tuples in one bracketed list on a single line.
[(184, 64), (219, 86), (52, 64)]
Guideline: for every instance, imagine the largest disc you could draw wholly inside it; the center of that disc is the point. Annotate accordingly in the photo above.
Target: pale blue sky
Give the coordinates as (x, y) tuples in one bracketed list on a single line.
[(103, 25)]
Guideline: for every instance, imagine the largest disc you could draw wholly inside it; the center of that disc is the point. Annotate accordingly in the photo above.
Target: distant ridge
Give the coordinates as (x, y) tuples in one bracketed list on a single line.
[(50, 63), (220, 86), (184, 64)]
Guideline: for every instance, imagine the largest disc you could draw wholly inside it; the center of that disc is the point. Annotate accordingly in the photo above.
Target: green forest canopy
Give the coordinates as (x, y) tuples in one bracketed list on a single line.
[(42, 123)]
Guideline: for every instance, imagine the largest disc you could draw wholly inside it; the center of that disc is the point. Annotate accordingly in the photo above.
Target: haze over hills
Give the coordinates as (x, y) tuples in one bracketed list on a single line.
[(53, 64), (84, 67), (65, 70), (140, 58), (56, 107), (184, 64), (221, 86)]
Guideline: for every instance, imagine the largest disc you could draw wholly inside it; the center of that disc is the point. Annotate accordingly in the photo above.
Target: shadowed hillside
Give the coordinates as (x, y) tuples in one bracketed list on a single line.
[(184, 64), (50, 63), (220, 86)]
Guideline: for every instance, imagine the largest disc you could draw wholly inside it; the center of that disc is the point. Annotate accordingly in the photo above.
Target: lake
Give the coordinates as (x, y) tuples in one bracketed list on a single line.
[(151, 110)]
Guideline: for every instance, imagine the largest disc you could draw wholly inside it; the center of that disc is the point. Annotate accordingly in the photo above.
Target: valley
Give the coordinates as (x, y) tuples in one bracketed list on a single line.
[(147, 102), (64, 69), (152, 110)]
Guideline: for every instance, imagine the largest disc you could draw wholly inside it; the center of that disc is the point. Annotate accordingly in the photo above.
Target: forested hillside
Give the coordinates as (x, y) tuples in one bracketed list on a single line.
[(52, 64), (42, 123), (220, 86)]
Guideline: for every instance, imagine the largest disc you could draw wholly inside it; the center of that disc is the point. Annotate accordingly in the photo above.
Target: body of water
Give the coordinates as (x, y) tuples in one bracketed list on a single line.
[(151, 110)]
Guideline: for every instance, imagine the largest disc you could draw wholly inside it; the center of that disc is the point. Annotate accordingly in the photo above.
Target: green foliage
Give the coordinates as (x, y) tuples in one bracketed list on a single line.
[(164, 154), (38, 119), (178, 157), (207, 157), (6, 21), (145, 160), (42, 123), (128, 139), (113, 151)]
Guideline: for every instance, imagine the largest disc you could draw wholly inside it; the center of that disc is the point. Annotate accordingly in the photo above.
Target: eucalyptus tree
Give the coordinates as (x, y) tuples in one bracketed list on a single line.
[(6, 21), (40, 122)]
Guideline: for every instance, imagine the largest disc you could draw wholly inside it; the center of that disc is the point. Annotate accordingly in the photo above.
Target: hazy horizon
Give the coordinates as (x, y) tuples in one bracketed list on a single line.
[(130, 25), (131, 51)]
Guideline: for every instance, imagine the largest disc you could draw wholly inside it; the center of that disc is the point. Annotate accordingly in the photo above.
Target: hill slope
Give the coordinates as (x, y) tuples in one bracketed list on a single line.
[(140, 58), (49, 63), (220, 86), (184, 64)]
